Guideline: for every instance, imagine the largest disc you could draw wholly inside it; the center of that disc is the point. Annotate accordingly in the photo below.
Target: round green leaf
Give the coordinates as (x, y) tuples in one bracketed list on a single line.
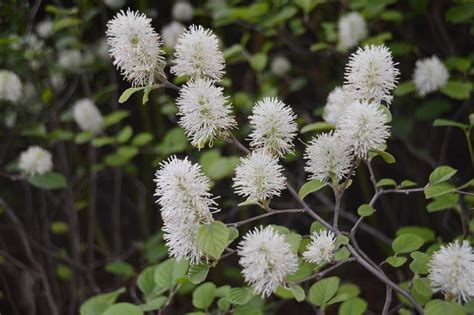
[(123, 309), (406, 243), (212, 239), (204, 295), (365, 210), (322, 291)]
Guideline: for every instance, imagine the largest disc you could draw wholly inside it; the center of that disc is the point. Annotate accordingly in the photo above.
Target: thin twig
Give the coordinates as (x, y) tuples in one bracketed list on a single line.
[(388, 301), (321, 274), (258, 217)]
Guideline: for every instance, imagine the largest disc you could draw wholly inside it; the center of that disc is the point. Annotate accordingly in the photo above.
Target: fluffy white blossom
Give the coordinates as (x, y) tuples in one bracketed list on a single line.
[(182, 11), (70, 59), (364, 126), (452, 270), (35, 161), (273, 126), (205, 112), (87, 116), (115, 4), (44, 28), (10, 86), (329, 157), (259, 176), (197, 54), (57, 81), (337, 102), (171, 33), (371, 74), (351, 30), (430, 75), (185, 200), (135, 47), (280, 66), (321, 248), (266, 260)]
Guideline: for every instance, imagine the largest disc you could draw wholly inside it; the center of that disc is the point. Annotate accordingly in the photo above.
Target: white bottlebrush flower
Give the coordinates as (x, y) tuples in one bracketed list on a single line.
[(329, 158), (205, 112), (280, 66), (273, 126), (185, 200), (364, 126), (87, 116), (10, 86), (57, 81), (171, 33), (259, 177), (135, 47), (115, 4), (182, 11), (266, 260), (197, 54), (452, 270), (430, 75), (321, 248), (44, 28), (102, 49), (70, 59), (337, 102), (35, 161), (351, 30), (371, 74)]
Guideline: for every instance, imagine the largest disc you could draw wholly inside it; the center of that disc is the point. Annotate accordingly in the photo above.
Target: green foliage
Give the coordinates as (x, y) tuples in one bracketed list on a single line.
[(212, 238), (310, 187), (321, 293), (48, 181), (97, 305)]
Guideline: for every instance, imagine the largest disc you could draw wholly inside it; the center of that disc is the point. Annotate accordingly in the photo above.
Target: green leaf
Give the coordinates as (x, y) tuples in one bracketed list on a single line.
[(83, 137), (405, 88), (461, 13), (198, 273), (439, 307), (120, 268), (48, 181), (142, 139), (338, 299), (212, 238), (442, 174), (154, 304), (298, 293), (258, 61), (449, 123), (342, 254), (350, 289), (406, 243), (420, 263), (322, 291), (396, 261), (101, 141), (59, 227), (387, 157), (128, 92), (223, 304), (168, 272), (437, 190), (353, 306), (407, 184), (204, 295), (365, 210), (115, 117), (457, 90), (125, 134), (425, 233), (239, 296), (123, 309), (174, 141), (422, 286), (97, 305), (443, 202), (307, 5), (146, 280), (386, 182), (319, 126), (310, 187)]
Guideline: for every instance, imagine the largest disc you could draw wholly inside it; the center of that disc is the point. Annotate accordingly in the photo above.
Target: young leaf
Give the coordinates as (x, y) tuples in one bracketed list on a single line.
[(406, 243), (48, 181), (442, 174), (310, 187), (99, 303), (387, 157), (127, 93), (153, 304), (204, 295), (386, 182), (198, 273), (322, 291), (298, 293), (396, 261), (319, 126), (212, 238), (365, 210), (437, 190), (123, 309), (239, 296), (353, 306)]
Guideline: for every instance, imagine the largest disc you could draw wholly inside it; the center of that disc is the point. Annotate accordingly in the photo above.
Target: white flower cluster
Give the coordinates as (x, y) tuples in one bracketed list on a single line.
[(451, 270), (280, 66), (87, 116), (44, 28), (337, 102), (351, 30), (35, 161), (259, 177), (197, 54), (430, 75), (266, 260), (273, 126), (70, 59), (329, 158), (10, 86), (182, 11), (185, 200), (205, 112), (135, 47), (321, 248), (171, 33)]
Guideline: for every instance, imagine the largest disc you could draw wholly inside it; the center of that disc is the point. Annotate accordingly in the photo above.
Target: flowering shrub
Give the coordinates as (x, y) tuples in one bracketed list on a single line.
[(263, 202)]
